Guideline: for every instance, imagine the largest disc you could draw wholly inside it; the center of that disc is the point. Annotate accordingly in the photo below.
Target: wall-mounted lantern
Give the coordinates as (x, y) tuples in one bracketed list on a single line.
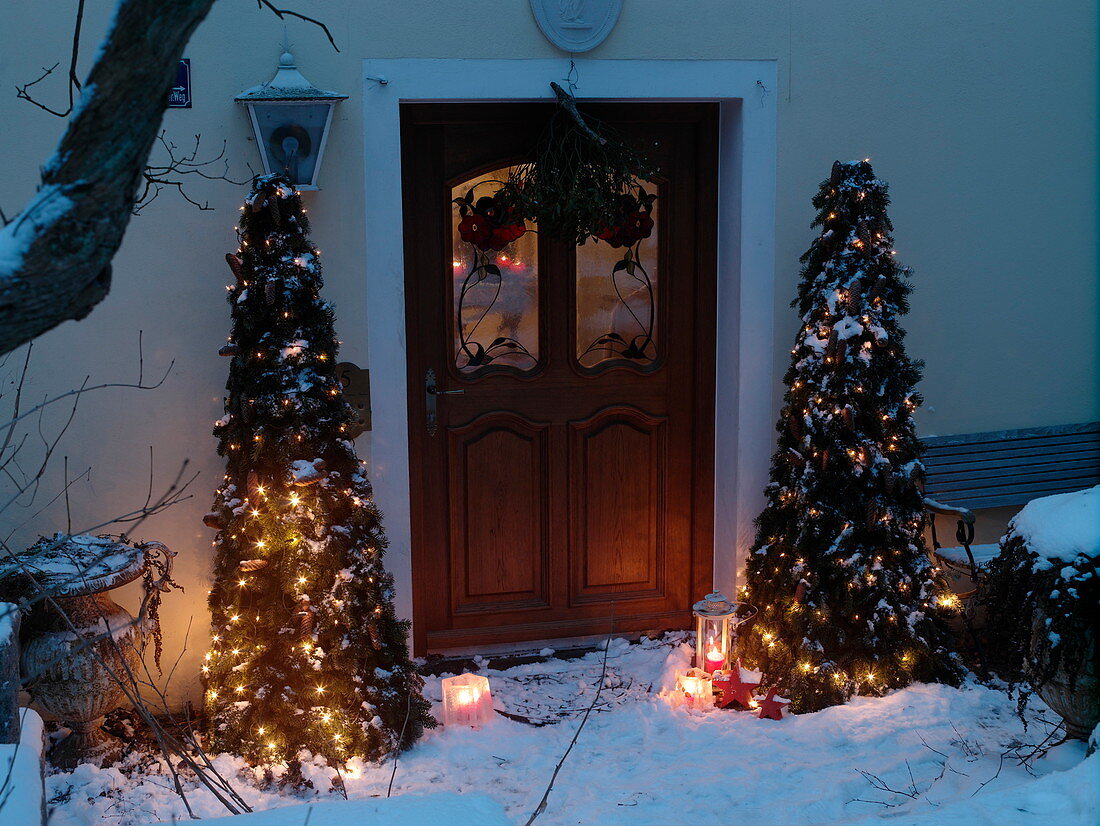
[(291, 118)]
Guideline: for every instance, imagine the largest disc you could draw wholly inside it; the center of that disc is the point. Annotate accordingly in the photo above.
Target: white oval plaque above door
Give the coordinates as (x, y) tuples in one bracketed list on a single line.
[(576, 25)]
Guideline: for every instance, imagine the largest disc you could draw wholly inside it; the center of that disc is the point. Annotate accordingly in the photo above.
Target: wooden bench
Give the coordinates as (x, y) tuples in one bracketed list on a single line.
[(1011, 467)]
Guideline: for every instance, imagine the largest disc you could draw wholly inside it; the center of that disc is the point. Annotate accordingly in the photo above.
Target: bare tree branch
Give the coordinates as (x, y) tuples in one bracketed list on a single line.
[(170, 174), (282, 13), (64, 268), (60, 246), (74, 79)]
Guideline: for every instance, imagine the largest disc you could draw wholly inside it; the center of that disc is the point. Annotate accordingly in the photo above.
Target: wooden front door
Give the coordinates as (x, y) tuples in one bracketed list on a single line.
[(564, 461)]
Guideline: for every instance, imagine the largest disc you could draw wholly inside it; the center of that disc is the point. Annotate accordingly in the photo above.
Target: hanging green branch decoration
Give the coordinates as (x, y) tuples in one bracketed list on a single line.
[(581, 173)]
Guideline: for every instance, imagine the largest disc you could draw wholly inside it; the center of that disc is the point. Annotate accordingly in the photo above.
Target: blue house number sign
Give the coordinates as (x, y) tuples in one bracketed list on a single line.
[(179, 96)]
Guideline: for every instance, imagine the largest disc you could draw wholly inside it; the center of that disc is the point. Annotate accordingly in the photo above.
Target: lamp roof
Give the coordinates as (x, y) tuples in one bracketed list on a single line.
[(288, 84), (714, 605)]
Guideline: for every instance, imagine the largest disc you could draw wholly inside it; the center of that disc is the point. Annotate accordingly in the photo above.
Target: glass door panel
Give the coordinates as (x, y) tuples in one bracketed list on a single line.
[(494, 273), (617, 292)]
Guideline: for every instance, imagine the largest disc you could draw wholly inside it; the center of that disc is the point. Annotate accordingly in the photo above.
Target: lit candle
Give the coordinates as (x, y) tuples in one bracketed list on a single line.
[(692, 692), (466, 700), (465, 703), (694, 689), (716, 661)]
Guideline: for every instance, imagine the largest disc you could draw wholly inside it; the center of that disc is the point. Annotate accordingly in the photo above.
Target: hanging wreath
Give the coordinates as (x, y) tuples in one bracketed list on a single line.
[(583, 183)]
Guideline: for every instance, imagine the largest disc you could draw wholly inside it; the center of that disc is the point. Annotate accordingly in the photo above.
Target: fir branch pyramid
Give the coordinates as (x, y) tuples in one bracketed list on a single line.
[(849, 602), (306, 651)]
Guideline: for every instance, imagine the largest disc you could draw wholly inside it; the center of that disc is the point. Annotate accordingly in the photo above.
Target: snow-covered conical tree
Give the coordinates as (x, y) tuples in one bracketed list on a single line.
[(306, 650), (848, 600)]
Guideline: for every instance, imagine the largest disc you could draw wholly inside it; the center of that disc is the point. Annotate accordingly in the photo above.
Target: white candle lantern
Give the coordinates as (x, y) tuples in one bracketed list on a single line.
[(694, 689), (713, 637), (466, 701)]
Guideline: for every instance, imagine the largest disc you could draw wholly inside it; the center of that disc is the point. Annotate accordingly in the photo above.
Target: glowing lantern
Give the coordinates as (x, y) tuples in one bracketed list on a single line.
[(694, 690), (466, 701), (713, 638)]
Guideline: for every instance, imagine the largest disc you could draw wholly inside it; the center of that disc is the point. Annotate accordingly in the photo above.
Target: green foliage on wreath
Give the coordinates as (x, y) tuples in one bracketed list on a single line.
[(581, 170)]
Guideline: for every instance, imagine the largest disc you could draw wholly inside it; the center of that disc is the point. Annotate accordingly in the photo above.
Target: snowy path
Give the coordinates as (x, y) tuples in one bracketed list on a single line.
[(642, 762)]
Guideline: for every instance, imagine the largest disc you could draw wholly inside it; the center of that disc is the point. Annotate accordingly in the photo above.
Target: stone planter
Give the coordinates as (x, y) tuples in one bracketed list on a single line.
[(77, 644), (1079, 705)]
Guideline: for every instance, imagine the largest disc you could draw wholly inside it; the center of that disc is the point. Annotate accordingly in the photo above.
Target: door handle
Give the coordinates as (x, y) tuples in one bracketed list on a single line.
[(431, 391)]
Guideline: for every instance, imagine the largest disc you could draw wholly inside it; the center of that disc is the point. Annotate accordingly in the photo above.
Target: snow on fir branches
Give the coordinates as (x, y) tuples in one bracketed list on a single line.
[(306, 651), (848, 598)]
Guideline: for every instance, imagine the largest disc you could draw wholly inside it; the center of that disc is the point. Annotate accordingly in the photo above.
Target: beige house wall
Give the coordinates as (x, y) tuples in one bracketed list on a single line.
[(982, 116)]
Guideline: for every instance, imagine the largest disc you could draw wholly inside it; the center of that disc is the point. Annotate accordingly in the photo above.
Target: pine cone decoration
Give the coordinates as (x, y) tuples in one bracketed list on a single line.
[(253, 486), (375, 637), (213, 520), (228, 350), (252, 564), (795, 427), (837, 175), (800, 592), (235, 264), (305, 617), (273, 208), (840, 349), (271, 292)]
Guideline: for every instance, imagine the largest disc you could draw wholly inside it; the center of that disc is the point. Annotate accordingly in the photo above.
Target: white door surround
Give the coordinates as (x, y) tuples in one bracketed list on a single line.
[(744, 416)]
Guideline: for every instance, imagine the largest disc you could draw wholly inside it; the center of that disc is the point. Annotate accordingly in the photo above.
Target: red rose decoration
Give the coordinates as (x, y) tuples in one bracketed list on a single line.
[(474, 229), (632, 223), (486, 225), (641, 225)]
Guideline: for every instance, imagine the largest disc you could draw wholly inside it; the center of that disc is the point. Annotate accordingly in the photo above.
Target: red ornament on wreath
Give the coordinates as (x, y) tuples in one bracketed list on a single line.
[(773, 707), (735, 687)]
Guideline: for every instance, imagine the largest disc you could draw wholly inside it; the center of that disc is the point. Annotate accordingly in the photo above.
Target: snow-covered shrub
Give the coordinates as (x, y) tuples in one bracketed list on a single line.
[(1042, 598)]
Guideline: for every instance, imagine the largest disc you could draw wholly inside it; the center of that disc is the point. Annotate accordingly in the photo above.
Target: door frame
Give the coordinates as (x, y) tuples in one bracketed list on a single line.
[(744, 378)]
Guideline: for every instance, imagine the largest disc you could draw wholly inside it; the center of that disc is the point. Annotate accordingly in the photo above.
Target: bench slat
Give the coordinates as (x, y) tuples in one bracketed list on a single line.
[(982, 471), (1011, 467)]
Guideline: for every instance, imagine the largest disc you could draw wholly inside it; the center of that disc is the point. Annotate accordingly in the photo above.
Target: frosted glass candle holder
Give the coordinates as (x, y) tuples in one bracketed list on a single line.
[(466, 701), (694, 690)]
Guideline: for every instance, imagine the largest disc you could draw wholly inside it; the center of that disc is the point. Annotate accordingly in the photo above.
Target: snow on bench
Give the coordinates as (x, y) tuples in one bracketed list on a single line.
[(983, 554)]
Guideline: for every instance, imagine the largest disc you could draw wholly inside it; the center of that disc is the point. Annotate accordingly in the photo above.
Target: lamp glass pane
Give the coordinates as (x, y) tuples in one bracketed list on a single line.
[(291, 136)]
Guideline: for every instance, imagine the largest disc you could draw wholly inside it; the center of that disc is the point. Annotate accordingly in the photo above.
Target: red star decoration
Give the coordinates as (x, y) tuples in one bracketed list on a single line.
[(772, 707), (733, 689)]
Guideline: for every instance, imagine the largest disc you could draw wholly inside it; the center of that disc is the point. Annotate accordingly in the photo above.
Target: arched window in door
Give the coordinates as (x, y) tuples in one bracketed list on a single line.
[(617, 290), (494, 271)]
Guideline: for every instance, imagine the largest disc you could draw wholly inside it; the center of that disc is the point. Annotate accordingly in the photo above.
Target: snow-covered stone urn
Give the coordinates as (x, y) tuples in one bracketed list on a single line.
[(1043, 597), (1073, 693), (79, 648)]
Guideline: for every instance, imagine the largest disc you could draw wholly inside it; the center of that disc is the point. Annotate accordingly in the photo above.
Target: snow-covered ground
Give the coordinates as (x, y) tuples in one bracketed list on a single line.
[(946, 753)]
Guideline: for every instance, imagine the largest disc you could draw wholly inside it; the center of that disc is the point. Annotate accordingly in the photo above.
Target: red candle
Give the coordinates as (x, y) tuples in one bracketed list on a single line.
[(715, 659)]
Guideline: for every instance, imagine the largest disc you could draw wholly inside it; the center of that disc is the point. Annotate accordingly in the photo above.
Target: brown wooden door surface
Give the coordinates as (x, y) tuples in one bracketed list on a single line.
[(573, 471)]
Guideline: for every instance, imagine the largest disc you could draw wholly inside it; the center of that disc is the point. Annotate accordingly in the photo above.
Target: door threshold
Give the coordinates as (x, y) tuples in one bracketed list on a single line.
[(508, 655)]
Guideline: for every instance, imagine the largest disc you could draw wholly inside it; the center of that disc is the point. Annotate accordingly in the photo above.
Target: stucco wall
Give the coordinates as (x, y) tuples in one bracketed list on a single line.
[(981, 116)]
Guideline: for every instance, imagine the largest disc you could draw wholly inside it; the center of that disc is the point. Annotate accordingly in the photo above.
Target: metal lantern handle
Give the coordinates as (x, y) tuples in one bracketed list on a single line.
[(736, 620)]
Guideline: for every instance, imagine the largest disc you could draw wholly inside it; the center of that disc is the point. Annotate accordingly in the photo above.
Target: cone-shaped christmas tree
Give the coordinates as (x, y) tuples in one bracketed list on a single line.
[(306, 651), (848, 599)]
